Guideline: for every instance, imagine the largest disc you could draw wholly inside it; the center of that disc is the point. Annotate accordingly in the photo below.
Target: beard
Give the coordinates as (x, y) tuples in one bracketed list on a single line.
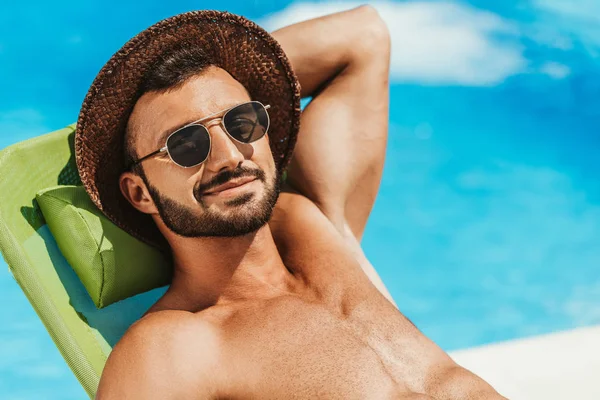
[(246, 214)]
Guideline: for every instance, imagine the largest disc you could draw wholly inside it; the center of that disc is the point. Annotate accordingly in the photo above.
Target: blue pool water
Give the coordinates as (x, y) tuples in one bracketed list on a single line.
[(487, 225)]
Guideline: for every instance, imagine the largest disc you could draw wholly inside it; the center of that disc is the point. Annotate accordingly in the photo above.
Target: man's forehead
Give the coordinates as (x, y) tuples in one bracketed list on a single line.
[(158, 114)]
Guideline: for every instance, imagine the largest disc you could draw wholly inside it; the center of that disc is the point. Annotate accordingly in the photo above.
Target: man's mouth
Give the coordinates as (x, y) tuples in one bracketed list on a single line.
[(231, 186)]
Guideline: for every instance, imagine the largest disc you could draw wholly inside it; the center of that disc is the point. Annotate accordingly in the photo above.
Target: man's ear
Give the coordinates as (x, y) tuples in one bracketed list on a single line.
[(135, 191)]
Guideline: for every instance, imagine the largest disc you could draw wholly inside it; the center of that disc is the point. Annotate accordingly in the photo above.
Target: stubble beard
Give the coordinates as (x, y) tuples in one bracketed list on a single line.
[(247, 214)]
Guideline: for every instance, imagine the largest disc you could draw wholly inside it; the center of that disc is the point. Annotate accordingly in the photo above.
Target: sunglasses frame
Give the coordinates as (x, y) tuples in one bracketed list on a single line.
[(221, 116)]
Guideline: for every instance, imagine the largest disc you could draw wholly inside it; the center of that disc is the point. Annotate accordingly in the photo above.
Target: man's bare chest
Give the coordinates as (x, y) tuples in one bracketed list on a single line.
[(290, 348), (342, 340)]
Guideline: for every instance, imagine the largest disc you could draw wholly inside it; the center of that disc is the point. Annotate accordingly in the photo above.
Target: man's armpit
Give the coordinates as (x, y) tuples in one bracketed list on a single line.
[(297, 221)]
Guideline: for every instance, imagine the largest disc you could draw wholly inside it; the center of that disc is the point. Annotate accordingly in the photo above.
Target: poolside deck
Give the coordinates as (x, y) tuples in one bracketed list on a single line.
[(563, 365)]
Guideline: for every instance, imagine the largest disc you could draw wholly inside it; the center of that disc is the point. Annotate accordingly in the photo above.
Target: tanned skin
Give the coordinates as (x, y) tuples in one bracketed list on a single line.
[(293, 310)]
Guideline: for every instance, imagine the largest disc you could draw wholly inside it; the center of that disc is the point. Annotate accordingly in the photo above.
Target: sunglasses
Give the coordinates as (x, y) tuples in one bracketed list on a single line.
[(190, 145)]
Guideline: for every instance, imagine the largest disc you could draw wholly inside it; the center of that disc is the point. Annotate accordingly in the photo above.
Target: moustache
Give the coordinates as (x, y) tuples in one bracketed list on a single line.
[(226, 176)]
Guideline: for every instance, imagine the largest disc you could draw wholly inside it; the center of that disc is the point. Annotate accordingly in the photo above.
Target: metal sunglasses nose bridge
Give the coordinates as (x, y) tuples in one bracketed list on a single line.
[(216, 120)]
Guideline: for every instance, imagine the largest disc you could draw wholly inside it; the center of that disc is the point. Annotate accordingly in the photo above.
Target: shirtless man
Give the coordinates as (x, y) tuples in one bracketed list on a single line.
[(291, 309)]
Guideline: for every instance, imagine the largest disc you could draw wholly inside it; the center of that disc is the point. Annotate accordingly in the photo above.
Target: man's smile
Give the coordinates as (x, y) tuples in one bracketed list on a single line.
[(232, 187)]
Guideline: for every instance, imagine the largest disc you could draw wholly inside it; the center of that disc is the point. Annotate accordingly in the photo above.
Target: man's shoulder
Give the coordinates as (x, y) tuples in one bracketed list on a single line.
[(297, 217), (171, 336), (293, 205), (174, 327), (165, 346)]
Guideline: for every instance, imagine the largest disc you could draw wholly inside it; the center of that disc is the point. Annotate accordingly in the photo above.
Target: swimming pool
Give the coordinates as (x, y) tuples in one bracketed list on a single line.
[(487, 225)]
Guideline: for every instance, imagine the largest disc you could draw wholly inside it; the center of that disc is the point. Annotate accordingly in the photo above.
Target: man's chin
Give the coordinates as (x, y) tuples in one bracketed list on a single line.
[(231, 204), (236, 217), (220, 216), (233, 225)]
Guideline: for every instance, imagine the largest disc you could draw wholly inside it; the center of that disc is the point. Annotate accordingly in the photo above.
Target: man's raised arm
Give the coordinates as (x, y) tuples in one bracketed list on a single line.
[(342, 61)]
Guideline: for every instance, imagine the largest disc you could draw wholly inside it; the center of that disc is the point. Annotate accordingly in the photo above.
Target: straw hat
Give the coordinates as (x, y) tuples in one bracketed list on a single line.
[(233, 43)]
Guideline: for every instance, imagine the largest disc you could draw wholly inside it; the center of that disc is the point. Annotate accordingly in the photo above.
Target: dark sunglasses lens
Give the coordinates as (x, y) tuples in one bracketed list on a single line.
[(247, 122), (189, 146)]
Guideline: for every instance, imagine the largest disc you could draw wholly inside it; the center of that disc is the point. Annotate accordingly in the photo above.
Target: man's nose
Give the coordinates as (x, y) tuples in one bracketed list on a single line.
[(224, 152)]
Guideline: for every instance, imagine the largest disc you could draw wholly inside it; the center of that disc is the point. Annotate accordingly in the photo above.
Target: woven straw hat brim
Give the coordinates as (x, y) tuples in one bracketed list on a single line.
[(239, 46)]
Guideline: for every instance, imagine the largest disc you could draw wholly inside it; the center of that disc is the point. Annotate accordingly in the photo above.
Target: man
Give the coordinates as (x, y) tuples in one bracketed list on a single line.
[(271, 296)]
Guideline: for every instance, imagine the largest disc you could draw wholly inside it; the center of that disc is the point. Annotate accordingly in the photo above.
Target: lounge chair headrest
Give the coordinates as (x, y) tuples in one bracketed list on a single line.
[(111, 264)]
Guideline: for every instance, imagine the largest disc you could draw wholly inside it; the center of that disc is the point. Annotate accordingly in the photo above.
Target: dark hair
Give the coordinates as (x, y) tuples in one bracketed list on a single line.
[(169, 72)]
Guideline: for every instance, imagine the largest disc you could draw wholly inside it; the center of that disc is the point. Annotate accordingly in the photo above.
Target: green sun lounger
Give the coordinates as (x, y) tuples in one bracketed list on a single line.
[(83, 333)]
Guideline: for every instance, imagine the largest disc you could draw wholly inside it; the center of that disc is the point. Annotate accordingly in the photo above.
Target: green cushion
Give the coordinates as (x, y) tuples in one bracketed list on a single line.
[(111, 264)]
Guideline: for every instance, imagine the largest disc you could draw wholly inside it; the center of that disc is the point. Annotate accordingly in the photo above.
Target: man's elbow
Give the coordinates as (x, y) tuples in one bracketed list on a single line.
[(374, 36)]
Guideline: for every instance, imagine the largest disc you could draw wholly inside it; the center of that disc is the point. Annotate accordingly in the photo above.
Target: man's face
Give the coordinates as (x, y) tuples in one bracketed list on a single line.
[(185, 198)]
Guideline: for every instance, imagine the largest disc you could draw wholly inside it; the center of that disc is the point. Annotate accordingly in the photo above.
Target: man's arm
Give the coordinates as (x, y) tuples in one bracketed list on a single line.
[(342, 61), (166, 355)]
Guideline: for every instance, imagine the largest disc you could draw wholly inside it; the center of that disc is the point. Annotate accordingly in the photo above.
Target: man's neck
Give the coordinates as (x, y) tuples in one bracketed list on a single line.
[(213, 270)]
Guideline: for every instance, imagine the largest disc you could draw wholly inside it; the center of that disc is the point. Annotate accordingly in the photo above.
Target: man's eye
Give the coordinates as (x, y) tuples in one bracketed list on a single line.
[(242, 121), (243, 124), (243, 127)]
